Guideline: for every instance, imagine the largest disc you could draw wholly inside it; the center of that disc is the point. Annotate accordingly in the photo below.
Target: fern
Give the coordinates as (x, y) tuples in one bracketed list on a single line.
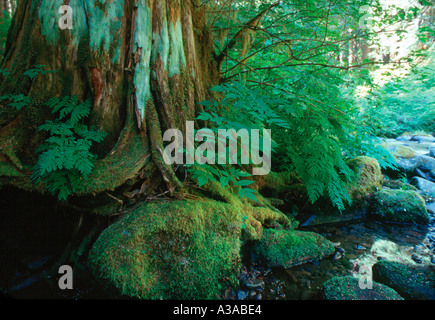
[(17, 101), (225, 176), (64, 157), (37, 70), (238, 108)]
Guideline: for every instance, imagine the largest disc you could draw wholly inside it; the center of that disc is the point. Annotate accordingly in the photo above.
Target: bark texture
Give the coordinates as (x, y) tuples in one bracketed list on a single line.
[(144, 63)]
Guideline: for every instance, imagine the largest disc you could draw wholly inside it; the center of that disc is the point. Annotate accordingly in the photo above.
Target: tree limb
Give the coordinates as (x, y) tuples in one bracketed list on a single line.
[(251, 24)]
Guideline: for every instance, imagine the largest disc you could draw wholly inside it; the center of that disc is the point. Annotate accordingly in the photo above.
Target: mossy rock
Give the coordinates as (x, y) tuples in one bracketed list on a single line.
[(367, 180), (287, 248), (368, 176), (411, 282), (398, 184), (348, 288), (401, 206), (403, 152), (171, 250), (179, 249)]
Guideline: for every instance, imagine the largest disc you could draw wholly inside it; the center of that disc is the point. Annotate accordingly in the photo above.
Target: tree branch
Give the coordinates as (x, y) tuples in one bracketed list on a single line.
[(250, 25)]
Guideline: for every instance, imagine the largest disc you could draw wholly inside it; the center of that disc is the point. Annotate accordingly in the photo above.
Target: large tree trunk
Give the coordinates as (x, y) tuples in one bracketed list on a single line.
[(144, 64)]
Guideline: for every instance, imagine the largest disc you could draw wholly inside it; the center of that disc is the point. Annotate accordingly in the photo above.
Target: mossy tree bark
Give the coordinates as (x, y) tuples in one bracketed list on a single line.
[(144, 63)]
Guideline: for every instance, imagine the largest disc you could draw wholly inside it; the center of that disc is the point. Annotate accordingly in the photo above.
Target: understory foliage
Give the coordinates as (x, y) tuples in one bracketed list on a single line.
[(295, 68), (65, 157), (311, 143), (239, 108), (5, 23), (404, 104)]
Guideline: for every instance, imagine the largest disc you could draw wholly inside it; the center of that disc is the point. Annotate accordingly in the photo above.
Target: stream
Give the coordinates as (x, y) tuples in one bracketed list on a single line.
[(357, 245), (32, 242)]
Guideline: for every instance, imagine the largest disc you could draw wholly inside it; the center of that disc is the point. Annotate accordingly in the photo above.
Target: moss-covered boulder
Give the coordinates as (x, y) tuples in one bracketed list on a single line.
[(401, 206), (367, 180), (368, 177), (411, 282), (171, 250), (396, 184), (348, 288), (179, 249), (402, 152), (287, 248)]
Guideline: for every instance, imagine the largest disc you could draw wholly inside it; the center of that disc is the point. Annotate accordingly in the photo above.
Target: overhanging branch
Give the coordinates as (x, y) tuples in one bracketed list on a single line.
[(252, 24)]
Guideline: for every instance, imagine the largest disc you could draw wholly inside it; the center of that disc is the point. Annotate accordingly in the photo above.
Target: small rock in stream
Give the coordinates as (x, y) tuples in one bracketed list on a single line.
[(241, 295), (416, 258), (337, 256), (341, 250), (253, 283)]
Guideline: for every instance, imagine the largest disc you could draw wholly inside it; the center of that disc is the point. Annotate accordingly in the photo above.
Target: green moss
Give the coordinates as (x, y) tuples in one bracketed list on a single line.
[(279, 184), (268, 216), (347, 288), (402, 206), (172, 250), (403, 152), (130, 155), (284, 248), (398, 184), (411, 282), (368, 176), (9, 175)]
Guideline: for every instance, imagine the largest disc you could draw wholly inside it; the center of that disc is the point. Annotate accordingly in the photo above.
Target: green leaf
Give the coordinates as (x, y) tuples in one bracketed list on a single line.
[(247, 192), (202, 180), (244, 182), (224, 181)]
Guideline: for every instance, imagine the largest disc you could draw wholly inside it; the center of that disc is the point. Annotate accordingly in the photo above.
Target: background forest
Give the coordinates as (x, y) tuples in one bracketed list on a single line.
[(340, 84)]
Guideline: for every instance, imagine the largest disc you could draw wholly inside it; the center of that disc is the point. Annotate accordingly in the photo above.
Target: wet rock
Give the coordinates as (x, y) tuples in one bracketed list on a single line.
[(411, 282), (426, 187), (398, 184), (241, 295), (368, 179), (348, 288), (284, 248), (253, 283), (334, 217), (358, 247), (38, 263), (408, 161), (416, 258), (404, 137), (423, 138), (337, 256), (402, 206)]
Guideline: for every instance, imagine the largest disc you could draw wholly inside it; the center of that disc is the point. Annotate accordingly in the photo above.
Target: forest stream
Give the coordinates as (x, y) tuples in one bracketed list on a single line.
[(34, 235)]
